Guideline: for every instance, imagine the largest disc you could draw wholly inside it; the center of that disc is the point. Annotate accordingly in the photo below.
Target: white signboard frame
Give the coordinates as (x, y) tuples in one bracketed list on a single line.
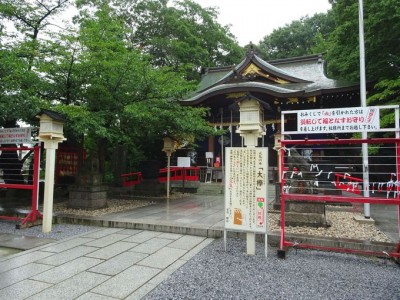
[(16, 135), (183, 162), (246, 198), (337, 120)]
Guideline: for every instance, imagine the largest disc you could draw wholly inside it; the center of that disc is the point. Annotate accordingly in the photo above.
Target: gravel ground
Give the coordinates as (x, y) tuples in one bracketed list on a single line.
[(216, 274), (342, 223), (113, 205)]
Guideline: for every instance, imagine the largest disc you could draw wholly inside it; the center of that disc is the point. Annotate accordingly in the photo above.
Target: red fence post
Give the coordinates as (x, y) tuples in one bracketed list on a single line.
[(34, 213)]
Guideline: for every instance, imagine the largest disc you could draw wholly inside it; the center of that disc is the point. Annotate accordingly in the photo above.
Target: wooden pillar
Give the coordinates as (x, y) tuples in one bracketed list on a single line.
[(211, 146)]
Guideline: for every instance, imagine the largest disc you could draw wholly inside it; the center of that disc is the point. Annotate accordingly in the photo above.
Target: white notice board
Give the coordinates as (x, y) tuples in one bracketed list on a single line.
[(184, 162), (246, 204), (15, 135)]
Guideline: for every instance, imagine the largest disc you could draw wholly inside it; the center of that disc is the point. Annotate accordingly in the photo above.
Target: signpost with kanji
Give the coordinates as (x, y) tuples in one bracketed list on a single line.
[(246, 205)]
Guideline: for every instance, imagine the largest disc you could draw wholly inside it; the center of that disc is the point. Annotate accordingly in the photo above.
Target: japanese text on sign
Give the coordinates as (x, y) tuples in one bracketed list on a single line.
[(15, 135), (351, 119), (246, 189)]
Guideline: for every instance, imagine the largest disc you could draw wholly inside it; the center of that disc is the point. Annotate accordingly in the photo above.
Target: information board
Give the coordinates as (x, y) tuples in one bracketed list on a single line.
[(337, 120), (183, 162), (15, 135), (246, 204)]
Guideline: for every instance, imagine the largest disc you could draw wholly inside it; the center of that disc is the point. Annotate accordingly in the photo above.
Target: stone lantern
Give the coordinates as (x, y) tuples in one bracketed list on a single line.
[(251, 121), (51, 126), (51, 133), (169, 147)]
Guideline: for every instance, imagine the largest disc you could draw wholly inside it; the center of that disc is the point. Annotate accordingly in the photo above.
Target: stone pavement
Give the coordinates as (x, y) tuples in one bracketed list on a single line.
[(201, 215), (108, 263), (132, 253)]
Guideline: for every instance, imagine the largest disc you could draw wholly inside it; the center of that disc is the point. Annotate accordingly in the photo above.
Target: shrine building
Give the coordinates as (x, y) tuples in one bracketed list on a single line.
[(298, 83)]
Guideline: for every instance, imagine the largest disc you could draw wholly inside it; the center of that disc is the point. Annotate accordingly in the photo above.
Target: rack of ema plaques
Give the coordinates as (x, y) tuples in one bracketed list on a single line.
[(336, 171), (13, 179)]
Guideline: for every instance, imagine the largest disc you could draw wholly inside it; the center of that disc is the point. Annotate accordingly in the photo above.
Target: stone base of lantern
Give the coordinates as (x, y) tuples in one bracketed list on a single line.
[(88, 197), (305, 213)]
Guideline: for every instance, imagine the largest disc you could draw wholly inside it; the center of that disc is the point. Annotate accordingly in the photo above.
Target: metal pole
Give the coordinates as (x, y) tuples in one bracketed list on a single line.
[(363, 97)]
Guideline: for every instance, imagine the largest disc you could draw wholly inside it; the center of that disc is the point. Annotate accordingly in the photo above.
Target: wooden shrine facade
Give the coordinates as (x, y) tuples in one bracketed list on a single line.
[(287, 84)]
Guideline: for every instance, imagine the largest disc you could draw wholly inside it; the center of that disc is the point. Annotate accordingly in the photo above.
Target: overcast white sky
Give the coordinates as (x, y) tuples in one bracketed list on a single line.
[(251, 20)]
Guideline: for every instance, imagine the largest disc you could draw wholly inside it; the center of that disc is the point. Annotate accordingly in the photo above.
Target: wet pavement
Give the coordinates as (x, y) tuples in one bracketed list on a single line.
[(108, 263), (131, 254)]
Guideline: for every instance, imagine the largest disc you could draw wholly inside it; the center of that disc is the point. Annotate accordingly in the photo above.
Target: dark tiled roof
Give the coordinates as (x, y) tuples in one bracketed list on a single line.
[(306, 76), (52, 114)]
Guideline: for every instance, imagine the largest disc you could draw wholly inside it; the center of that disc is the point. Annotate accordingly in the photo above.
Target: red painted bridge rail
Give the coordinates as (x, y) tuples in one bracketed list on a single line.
[(131, 179), (179, 174), (34, 214)]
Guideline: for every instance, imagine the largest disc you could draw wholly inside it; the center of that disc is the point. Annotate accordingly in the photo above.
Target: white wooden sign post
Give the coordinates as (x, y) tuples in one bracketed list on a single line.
[(246, 200), (246, 177)]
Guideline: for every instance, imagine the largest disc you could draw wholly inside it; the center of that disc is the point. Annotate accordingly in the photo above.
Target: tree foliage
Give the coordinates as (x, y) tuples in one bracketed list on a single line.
[(121, 98), (382, 35), (337, 34), (18, 90), (183, 36), (382, 48), (308, 35), (112, 88), (30, 18), (21, 55)]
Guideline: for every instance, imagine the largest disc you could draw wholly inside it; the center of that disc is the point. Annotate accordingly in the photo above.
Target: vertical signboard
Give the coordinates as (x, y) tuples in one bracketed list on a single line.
[(246, 204)]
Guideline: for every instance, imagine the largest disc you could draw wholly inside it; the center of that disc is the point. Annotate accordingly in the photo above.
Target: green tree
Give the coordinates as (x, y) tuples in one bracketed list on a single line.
[(382, 33), (20, 57), (184, 36), (30, 18), (110, 89), (308, 35), (116, 97), (18, 90), (382, 48)]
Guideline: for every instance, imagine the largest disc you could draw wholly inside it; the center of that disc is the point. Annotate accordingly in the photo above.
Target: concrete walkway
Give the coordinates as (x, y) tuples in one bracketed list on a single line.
[(113, 263), (201, 215), (128, 260), (109, 263)]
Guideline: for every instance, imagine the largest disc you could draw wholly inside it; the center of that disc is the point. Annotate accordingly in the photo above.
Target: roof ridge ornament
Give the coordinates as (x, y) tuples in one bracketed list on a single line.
[(251, 51)]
